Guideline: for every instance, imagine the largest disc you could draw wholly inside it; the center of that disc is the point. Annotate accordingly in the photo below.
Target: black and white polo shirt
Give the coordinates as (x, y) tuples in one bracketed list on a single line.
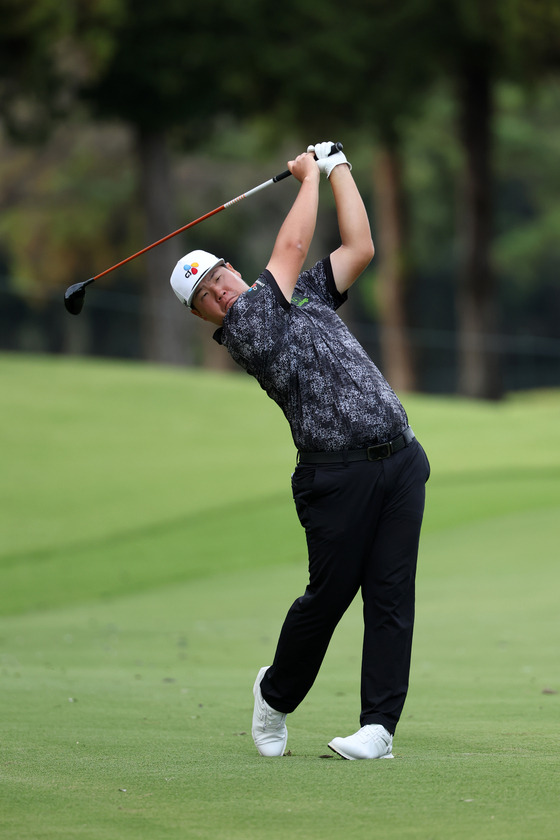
[(305, 358)]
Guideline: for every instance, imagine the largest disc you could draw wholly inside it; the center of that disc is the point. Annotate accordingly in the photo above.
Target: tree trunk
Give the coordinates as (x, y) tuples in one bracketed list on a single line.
[(479, 360), (394, 269), (167, 330)]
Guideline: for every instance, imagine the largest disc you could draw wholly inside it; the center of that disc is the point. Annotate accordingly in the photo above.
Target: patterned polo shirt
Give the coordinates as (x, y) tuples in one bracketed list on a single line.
[(305, 358)]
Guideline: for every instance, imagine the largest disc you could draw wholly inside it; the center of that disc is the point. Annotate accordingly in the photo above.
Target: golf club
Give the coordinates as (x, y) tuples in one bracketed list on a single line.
[(75, 294)]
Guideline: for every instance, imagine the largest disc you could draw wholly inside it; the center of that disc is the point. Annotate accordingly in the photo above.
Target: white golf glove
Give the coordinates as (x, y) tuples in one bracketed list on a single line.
[(325, 161)]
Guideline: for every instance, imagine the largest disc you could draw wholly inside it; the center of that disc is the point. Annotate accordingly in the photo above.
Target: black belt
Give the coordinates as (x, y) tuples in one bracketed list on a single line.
[(372, 453)]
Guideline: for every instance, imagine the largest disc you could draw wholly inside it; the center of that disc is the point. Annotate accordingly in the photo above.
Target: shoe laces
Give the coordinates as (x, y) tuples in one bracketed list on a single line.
[(375, 732), (270, 718)]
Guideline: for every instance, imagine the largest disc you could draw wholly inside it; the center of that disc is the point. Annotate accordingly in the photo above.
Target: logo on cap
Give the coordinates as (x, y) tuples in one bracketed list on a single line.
[(190, 269)]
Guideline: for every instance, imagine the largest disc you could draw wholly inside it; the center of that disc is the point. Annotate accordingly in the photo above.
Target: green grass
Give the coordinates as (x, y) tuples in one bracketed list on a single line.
[(149, 551)]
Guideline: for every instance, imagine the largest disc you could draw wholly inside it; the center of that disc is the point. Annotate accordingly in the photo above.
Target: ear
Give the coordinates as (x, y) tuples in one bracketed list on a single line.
[(233, 270), (198, 315)]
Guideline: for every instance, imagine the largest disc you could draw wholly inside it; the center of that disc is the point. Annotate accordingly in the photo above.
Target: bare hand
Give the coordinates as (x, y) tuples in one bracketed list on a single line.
[(304, 166)]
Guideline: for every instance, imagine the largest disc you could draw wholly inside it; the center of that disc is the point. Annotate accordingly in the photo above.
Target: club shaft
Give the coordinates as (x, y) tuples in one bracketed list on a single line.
[(336, 147), (270, 181), (257, 189)]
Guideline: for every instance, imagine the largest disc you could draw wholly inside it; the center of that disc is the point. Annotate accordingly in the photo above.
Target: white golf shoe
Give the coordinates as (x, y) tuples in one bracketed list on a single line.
[(270, 733), (371, 741)]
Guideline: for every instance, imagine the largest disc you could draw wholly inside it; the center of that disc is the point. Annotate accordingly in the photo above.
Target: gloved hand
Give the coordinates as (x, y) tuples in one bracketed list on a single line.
[(325, 161)]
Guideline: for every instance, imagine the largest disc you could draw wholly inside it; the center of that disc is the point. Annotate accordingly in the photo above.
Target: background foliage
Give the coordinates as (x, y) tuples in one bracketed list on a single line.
[(119, 122)]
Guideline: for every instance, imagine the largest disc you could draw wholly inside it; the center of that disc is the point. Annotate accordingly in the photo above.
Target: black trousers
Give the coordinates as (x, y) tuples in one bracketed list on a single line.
[(362, 522)]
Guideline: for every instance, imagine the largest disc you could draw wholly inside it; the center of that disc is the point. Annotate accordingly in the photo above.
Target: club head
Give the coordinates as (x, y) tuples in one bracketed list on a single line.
[(74, 296)]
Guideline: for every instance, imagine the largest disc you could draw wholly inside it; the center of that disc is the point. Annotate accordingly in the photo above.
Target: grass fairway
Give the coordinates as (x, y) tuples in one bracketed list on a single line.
[(131, 631)]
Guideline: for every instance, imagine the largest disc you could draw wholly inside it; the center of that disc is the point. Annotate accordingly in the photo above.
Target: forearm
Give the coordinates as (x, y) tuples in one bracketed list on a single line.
[(356, 249), (353, 221), (299, 225), (296, 234)]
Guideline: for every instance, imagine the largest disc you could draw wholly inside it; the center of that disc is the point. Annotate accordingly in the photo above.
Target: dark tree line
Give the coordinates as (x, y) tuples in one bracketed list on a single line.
[(177, 74)]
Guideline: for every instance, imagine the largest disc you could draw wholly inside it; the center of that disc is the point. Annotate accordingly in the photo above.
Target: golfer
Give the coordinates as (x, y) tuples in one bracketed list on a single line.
[(359, 483)]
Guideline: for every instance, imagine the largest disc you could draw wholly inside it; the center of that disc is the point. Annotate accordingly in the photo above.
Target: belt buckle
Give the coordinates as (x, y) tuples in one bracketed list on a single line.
[(377, 453)]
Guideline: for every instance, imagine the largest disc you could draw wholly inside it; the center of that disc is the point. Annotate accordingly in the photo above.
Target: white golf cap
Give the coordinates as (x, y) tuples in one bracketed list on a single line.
[(190, 271)]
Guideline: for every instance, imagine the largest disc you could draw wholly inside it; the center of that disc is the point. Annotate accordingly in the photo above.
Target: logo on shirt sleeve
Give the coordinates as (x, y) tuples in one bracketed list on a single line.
[(297, 300), (255, 288)]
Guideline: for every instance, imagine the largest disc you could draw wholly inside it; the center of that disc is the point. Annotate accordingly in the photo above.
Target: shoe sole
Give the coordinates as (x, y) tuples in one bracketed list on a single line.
[(353, 758)]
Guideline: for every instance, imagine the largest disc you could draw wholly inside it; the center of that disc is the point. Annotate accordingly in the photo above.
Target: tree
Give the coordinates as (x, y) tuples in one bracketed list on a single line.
[(388, 91), (479, 44), (29, 75), (167, 82), (361, 73), (371, 65), (46, 48)]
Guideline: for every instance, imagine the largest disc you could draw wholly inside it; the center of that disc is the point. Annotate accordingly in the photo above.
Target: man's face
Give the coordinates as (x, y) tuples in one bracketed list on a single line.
[(217, 292)]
